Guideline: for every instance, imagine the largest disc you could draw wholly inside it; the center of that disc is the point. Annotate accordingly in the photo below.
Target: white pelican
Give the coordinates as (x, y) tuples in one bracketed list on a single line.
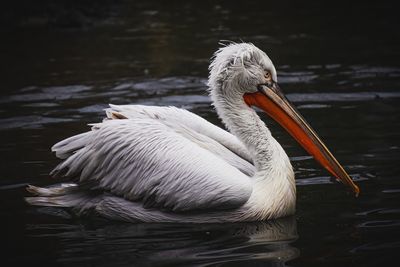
[(165, 164)]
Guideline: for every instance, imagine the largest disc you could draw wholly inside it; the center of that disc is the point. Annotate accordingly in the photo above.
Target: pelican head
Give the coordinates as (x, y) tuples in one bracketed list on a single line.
[(237, 69), (242, 76)]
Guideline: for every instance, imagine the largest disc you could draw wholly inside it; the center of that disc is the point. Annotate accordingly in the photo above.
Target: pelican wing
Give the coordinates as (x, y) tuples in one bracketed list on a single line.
[(156, 162)]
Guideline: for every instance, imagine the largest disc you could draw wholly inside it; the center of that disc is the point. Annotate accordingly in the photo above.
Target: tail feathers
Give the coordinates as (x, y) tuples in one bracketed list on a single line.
[(59, 190), (63, 195), (60, 201)]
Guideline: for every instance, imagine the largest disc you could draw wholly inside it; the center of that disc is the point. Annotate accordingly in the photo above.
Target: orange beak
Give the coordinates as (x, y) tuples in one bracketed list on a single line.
[(271, 99)]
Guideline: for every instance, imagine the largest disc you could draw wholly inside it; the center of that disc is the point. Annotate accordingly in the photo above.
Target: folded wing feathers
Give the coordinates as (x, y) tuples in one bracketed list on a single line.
[(145, 159), (176, 115), (66, 147)]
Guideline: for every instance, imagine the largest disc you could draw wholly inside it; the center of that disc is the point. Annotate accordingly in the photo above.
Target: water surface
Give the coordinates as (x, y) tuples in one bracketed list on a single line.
[(338, 63)]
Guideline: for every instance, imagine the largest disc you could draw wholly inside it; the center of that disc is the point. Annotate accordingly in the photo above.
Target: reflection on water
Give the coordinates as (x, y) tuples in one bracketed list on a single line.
[(63, 62), (171, 244)]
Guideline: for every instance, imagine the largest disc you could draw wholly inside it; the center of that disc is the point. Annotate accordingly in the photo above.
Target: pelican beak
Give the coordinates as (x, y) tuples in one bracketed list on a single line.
[(271, 99)]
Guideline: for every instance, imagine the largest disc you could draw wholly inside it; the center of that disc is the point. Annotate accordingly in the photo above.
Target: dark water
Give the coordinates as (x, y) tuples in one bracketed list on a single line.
[(62, 62)]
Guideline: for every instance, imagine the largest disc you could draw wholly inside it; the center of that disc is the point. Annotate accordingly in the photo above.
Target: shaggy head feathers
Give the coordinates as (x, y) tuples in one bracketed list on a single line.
[(237, 68)]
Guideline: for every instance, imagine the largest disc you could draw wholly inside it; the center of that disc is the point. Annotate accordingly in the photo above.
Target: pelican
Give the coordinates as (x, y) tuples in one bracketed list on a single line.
[(165, 164)]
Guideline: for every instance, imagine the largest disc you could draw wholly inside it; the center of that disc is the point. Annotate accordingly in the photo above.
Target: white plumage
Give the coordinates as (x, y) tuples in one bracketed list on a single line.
[(164, 164)]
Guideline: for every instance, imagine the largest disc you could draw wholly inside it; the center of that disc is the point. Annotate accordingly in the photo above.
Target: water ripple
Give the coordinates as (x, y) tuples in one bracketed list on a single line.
[(47, 93), (378, 224), (376, 246), (379, 211), (342, 97), (325, 179), (29, 122), (391, 191)]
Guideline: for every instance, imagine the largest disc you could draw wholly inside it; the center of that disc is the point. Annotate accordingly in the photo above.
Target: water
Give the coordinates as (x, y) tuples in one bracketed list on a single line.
[(338, 62)]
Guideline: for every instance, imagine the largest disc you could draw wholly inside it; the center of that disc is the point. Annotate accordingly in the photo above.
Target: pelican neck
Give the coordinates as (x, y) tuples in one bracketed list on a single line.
[(243, 122)]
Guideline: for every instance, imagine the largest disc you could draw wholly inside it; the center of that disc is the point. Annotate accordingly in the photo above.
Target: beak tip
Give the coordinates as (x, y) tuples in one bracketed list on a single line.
[(356, 190)]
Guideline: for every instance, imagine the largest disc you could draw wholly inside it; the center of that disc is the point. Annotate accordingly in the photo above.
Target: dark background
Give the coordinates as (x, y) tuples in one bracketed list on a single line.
[(62, 62)]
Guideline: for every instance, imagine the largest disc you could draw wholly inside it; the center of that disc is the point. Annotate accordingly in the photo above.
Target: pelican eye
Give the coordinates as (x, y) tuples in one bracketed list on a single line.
[(267, 76)]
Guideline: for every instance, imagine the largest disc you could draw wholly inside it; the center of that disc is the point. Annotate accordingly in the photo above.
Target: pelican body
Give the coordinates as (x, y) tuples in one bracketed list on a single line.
[(165, 164)]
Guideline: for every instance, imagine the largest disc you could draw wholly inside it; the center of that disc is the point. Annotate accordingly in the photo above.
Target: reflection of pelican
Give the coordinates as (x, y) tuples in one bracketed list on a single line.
[(173, 244), (163, 164)]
